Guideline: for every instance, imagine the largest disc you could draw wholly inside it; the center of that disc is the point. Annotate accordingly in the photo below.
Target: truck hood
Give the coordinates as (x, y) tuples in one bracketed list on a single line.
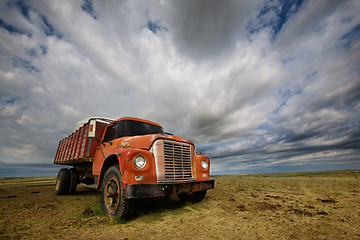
[(145, 142)]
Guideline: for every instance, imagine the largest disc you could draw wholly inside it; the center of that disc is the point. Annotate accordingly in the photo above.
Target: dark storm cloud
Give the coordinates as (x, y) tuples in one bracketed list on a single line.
[(206, 30)]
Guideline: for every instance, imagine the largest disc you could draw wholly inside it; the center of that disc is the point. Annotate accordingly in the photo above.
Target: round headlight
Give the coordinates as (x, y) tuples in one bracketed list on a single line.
[(204, 164), (139, 161)]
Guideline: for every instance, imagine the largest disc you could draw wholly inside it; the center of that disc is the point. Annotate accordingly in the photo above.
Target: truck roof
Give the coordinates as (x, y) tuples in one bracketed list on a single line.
[(139, 120), (79, 124)]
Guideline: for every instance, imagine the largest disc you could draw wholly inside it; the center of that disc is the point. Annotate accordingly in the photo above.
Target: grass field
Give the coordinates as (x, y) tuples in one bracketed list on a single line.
[(312, 205)]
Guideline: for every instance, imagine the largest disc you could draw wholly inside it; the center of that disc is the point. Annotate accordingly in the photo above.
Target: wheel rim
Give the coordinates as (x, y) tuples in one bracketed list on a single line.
[(112, 195)]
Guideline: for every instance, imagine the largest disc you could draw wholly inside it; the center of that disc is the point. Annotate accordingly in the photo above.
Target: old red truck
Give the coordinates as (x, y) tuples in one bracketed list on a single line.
[(130, 158)]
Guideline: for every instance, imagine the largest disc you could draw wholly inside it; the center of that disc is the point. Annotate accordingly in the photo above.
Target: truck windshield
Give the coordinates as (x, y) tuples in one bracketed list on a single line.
[(134, 128)]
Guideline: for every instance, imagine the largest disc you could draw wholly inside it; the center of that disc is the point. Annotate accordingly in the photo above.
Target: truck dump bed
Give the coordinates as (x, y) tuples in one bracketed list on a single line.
[(80, 146)]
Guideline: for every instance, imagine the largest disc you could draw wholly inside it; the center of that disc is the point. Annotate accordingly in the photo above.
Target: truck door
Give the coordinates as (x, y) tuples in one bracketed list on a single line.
[(104, 147)]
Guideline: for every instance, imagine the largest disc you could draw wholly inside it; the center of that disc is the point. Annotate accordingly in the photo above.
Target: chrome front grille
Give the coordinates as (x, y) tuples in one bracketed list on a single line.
[(173, 160), (177, 160)]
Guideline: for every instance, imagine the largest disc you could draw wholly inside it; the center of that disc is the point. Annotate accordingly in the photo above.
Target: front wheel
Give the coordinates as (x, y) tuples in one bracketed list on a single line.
[(113, 195), (193, 197)]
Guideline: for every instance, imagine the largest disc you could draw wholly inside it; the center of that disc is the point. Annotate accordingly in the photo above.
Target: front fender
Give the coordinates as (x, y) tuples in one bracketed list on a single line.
[(202, 174), (125, 159)]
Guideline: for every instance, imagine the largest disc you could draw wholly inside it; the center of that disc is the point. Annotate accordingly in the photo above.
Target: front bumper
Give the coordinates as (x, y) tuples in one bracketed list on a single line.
[(166, 189)]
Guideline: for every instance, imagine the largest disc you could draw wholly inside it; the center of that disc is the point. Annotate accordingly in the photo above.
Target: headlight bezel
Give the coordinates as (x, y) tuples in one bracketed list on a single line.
[(204, 164), (139, 161)]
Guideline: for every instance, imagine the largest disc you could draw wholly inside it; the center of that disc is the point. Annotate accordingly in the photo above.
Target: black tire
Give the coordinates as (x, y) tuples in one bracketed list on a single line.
[(73, 180), (113, 195), (62, 182), (193, 197)]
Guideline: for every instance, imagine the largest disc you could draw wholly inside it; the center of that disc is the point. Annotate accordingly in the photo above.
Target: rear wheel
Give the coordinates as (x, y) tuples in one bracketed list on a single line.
[(193, 197), (62, 182), (113, 195), (73, 180)]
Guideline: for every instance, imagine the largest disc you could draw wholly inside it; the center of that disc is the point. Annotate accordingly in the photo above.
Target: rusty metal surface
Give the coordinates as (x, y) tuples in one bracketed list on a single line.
[(78, 147), (167, 189)]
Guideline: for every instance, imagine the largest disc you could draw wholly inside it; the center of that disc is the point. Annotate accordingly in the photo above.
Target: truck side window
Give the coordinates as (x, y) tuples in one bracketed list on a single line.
[(110, 133)]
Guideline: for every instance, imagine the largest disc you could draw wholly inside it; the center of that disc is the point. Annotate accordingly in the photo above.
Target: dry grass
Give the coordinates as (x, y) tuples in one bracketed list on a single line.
[(323, 205)]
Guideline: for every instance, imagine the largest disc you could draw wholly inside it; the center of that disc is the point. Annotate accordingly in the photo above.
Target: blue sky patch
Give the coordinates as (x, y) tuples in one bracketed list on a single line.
[(31, 53), (49, 30), (11, 29), (8, 100), (88, 7), (311, 75), (273, 15), (24, 8), (285, 95), (288, 8), (287, 60), (43, 49), (155, 26), (351, 37), (22, 63)]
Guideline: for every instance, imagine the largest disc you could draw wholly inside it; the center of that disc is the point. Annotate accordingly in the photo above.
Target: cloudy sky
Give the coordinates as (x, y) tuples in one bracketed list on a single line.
[(259, 86)]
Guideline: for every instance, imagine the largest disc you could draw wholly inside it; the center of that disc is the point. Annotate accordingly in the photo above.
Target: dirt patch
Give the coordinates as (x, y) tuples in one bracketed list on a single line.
[(329, 200), (10, 196), (322, 213), (241, 207), (271, 196), (266, 206), (301, 212), (88, 212)]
